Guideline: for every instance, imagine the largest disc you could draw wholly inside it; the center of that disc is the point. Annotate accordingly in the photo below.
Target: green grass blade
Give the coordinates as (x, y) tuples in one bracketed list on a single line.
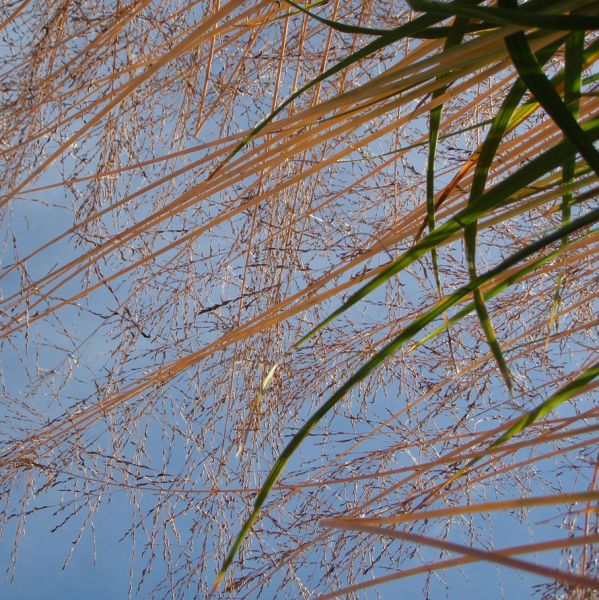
[(573, 80), (338, 26), (572, 87), (491, 337), (529, 15), (530, 71), (406, 335), (442, 32), (454, 37), (550, 404), (428, 33), (501, 123)]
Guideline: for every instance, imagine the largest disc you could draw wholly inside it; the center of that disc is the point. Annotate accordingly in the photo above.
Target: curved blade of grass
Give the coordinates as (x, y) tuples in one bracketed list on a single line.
[(575, 387), (498, 128), (436, 32), (407, 334), (572, 86), (338, 26), (429, 33), (497, 196), (509, 16), (565, 393), (455, 36), (501, 123), (394, 35)]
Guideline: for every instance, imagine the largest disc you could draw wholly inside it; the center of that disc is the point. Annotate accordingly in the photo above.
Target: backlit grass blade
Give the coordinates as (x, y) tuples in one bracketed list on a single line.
[(389, 349), (454, 37), (572, 83), (572, 87), (489, 331), (498, 128), (577, 386)]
